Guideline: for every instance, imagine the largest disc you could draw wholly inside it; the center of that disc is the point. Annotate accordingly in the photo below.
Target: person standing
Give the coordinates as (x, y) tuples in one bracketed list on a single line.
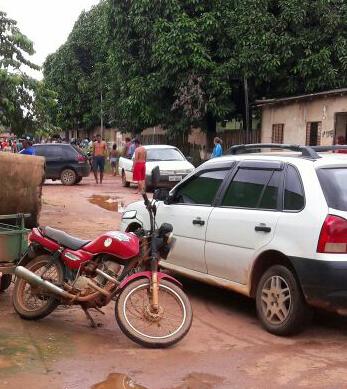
[(127, 144), (139, 167), (132, 148), (217, 150), (27, 148), (99, 154), (114, 157)]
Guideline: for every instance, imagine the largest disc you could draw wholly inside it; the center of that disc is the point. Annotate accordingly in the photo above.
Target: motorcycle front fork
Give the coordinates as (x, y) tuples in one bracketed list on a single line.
[(154, 287)]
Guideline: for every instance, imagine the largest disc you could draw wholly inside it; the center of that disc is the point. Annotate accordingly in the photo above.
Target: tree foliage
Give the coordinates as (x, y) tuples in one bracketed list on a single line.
[(24, 101), (76, 71), (181, 63)]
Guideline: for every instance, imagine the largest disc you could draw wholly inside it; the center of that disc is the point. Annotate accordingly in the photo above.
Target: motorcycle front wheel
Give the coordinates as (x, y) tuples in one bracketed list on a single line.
[(32, 303), (163, 328)]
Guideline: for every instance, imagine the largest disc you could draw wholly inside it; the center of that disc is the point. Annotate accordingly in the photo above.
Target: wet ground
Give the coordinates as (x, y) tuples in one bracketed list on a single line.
[(226, 348)]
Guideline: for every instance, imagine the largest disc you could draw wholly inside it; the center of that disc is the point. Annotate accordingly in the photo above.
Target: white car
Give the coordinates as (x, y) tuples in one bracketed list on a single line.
[(172, 164), (270, 226)]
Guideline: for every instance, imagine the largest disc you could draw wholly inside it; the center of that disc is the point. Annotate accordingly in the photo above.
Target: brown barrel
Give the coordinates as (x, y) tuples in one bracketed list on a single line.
[(21, 178)]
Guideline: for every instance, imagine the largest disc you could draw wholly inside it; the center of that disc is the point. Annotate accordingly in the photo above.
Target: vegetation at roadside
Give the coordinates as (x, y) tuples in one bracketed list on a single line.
[(25, 103), (183, 63)]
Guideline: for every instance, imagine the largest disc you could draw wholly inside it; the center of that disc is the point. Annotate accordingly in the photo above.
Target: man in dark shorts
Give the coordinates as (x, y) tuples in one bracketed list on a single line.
[(139, 167), (99, 154)]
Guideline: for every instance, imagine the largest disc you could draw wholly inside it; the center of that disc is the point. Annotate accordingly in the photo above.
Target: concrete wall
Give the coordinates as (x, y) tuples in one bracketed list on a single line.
[(21, 184), (295, 116)]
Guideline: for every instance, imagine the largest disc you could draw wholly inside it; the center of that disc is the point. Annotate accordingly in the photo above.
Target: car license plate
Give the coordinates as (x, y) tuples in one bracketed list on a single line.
[(175, 178)]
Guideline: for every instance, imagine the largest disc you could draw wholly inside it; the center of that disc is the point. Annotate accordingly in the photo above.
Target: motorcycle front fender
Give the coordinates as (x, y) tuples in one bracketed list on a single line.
[(148, 274)]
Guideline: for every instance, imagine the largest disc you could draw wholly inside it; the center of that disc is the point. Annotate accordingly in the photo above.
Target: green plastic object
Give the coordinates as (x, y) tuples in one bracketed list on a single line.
[(13, 237)]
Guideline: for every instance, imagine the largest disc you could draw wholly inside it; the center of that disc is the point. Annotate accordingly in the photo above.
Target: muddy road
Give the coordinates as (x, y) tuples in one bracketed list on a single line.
[(226, 348)]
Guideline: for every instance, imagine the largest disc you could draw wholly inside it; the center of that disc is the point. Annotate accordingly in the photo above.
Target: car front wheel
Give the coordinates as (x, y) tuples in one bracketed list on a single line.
[(281, 306), (125, 183)]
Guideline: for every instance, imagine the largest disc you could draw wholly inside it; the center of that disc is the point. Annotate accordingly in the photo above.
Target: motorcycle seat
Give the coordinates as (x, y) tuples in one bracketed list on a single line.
[(63, 238)]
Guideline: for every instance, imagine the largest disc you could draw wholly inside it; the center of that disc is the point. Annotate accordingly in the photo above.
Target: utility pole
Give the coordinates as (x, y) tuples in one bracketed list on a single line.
[(245, 85), (101, 117)]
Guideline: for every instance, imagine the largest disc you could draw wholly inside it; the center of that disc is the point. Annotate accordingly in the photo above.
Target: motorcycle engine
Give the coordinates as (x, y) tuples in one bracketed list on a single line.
[(111, 268), (81, 283)]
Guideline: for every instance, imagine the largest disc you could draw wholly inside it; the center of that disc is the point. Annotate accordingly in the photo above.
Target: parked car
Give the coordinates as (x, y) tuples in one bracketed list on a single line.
[(172, 164), (64, 162), (270, 226)]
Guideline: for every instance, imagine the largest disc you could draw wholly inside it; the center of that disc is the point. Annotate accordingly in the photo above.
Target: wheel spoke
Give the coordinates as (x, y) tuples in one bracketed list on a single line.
[(275, 299), (165, 322)]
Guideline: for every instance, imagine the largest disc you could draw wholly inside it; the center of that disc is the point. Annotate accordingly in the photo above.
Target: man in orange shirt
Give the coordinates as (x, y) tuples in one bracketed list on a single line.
[(99, 154), (139, 168)]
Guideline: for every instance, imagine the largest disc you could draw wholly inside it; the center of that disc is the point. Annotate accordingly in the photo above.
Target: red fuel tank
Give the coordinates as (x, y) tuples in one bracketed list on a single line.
[(121, 244)]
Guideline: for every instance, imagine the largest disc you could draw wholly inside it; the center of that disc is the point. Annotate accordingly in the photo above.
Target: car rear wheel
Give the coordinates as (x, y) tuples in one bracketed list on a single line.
[(281, 306), (68, 177), (125, 183)]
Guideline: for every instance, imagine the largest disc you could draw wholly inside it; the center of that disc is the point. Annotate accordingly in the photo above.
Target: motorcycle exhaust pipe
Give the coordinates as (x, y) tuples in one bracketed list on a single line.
[(35, 280)]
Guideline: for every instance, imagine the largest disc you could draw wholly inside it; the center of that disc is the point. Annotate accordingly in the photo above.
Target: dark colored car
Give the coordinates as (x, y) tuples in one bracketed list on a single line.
[(64, 162)]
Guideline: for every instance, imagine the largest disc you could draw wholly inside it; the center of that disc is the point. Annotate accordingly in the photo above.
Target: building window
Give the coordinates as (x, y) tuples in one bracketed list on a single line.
[(277, 133), (313, 133)]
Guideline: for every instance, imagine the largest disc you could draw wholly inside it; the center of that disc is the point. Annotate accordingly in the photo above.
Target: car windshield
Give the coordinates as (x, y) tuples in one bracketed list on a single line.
[(164, 155), (79, 150), (334, 185)]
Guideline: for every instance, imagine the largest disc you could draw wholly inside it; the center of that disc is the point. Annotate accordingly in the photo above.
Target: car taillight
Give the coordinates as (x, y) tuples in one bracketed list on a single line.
[(333, 235), (81, 158)]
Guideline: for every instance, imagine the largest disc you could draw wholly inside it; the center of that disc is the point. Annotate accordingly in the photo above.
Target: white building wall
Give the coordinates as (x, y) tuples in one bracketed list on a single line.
[(295, 115)]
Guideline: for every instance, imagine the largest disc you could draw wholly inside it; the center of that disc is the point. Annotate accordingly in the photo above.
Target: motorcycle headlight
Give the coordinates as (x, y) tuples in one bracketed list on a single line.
[(129, 215)]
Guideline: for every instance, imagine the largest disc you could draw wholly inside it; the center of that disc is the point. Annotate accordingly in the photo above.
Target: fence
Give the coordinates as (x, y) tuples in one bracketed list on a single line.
[(229, 139), (238, 137), (193, 149)]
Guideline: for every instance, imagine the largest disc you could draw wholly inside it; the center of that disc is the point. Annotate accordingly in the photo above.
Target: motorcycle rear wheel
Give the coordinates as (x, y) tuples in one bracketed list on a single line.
[(35, 305), (162, 329)]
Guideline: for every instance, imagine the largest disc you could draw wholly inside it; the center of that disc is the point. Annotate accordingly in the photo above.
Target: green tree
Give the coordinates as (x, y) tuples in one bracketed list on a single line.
[(182, 63), (16, 88), (76, 71)]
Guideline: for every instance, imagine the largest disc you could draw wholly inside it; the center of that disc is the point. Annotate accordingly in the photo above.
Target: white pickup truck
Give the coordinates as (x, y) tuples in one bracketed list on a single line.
[(171, 162)]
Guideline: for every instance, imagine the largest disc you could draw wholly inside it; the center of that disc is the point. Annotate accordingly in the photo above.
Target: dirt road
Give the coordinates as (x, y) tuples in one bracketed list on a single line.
[(226, 348)]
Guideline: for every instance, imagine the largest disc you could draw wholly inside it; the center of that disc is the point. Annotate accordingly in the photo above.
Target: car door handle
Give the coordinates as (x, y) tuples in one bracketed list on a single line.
[(262, 228), (198, 221)]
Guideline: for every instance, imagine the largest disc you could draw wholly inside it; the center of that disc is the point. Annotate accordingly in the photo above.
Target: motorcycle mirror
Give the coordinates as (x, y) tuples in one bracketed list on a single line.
[(155, 176), (161, 194)]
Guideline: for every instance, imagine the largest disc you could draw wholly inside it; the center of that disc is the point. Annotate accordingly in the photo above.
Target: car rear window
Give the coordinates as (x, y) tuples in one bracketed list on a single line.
[(253, 188), (334, 184), (294, 197)]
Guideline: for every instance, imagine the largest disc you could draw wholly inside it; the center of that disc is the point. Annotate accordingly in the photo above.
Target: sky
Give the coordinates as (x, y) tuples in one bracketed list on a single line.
[(45, 22)]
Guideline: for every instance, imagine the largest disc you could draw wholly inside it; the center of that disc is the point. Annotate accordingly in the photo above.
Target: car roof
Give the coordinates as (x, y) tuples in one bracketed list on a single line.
[(151, 147), (295, 158), (52, 144)]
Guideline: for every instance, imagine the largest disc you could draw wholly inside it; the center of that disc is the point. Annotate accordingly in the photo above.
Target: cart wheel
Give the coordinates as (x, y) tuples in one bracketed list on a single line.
[(5, 281)]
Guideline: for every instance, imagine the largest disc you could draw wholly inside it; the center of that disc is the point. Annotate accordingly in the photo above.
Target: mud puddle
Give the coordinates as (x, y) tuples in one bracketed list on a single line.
[(117, 381), (192, 381), (199, 381), (110, 203)]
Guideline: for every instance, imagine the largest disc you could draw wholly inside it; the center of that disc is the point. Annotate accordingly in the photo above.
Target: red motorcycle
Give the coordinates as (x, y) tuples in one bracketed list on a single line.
[(151, 307)]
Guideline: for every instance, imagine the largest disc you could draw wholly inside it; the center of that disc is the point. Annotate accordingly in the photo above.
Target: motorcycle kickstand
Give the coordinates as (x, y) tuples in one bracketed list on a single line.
[(99, 310), (89, 317)]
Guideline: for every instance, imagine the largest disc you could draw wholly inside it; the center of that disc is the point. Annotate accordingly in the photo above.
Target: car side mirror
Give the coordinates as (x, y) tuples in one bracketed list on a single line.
[(161, 194), (189, 159), (170, 199)]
